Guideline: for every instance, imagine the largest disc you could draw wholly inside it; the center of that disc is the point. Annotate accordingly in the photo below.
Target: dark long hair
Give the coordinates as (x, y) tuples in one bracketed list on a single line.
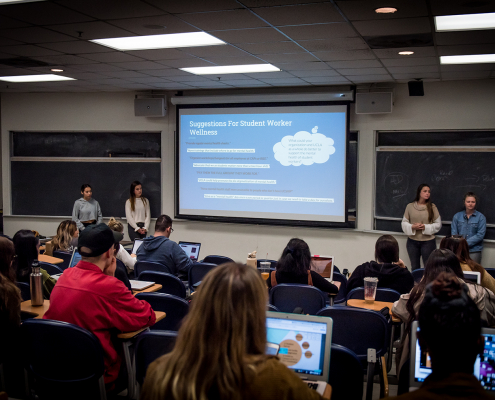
[(429, 206), (10, 295), (458, 245), (84, 186), (26, 252), (386, 249), (296, 258), (132, 199)]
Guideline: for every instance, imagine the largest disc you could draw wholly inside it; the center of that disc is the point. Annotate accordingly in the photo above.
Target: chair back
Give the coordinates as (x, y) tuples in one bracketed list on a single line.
[(150, 346), (418, 274), (286, 297), (175, 308), (358, 329), (64, 255), (50, 268), (273, 263), (25, 290), (382, 294), (271, 307), (170, 283), (198, 271), (62, 358), (341, 296), (346, 374), (217, 260), (142, 266), (491, 271)]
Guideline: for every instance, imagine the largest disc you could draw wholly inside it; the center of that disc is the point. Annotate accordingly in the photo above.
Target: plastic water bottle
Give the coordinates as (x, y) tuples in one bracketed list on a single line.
[(36, 284)]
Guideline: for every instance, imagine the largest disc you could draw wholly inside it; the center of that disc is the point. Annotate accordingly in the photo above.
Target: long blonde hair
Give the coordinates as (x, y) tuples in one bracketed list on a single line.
[(115, 225), (221, 342), (65, 233)]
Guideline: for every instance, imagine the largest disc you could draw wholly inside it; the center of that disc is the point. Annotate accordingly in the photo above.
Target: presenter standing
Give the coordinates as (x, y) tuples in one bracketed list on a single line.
[(86, 210), (471, 225), (420, 222), (137, 212)]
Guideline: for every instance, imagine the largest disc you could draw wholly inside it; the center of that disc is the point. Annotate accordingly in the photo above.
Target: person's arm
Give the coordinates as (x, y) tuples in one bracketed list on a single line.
[(356, 279), (125, 257), (99, 215), (453, 228), (129, 216), (75, 216), (48, 283), (322, 284), (431, 229), (181, 260), (406, 225), (480, 234), (148, 216)]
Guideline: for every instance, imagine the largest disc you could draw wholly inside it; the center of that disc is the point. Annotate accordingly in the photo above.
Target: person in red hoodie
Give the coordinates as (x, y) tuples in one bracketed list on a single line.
[(88, 295)]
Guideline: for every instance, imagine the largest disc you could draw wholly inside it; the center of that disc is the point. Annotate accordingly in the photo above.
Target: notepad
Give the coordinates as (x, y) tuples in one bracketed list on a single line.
[(140, 285)]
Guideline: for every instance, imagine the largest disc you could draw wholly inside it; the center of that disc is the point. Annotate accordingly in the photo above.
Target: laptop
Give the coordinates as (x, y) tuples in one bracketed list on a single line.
[(323, 265), (76, 257), (484, 366), (140, 285), (191, 249), (472, 277), (137, 244), (303, 344)]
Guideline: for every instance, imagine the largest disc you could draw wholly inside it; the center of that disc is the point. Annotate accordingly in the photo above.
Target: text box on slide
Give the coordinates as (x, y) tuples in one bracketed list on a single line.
[(209, 165), (221, 150), (269, 198), (257, 181)]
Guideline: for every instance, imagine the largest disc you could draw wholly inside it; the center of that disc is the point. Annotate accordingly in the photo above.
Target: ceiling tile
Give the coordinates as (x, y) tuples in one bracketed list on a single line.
[(370, 78), (272, 47), (400, 26), (186, 63), (43, 13), (215, 51), (270, 75), (192, 78), (466, 49), (124, 74), (159, 25), (149, 79), (28, 50), (171, 86), (419, 75), (300, 14), (394, 53), (244, 82), (9, 23), (467, 67), (270, 3), (91, 30), (334, 44), (112, 9), (355, 64), (209, 85), (362, 71), (256, 35), (137, 86), (413, 70), (365, 9), (160, 54), (139, 65), (34, 35), (319, 31), (465, 37), (8, 42), (286, 58), (189, 6), (407, 61), (219, 20), (231, 77), (344, 55), (65, 59), (234, 60), (77, 47), (111, 57), (109, 81), (448, 7), (466, 75), (307, 66), (12, 71), (314, 73), (326, 79), (87, 76), (164, 72), (97, 67), (276, 81)]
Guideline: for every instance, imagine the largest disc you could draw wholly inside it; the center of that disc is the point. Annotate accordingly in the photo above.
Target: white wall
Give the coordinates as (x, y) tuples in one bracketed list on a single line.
[(446, 105)]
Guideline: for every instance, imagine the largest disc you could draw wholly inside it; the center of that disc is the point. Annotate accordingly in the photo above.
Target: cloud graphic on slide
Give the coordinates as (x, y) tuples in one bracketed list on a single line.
[(304, 148)]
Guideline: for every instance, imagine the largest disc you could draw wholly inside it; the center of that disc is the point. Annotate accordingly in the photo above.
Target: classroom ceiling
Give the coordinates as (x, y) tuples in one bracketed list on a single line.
[(314, 43)]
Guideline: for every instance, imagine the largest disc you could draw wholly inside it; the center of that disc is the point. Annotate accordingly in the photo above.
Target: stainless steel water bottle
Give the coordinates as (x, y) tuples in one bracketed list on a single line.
[(36, 284)]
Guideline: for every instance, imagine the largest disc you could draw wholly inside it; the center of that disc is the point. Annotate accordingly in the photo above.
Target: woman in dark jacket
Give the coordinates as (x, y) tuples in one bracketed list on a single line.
[(388, 268)]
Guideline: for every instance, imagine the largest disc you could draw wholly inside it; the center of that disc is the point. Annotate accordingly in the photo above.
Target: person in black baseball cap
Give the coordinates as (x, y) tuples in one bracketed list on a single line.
[(96, 240)]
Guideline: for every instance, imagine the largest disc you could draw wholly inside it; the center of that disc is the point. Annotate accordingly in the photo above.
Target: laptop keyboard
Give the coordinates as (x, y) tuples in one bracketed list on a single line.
[(312, 385)]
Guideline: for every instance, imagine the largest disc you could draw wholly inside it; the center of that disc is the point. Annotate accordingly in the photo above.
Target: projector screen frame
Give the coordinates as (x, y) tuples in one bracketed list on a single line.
[(262, 221)]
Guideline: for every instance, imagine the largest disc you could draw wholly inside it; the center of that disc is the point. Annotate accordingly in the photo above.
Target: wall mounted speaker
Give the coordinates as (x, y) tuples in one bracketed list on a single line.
[(416, 88), (150, 107), (374, 103)]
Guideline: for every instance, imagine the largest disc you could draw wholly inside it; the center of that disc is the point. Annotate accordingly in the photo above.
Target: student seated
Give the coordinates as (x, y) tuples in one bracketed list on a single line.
[(159, 248), (451, 333), (294, 266), (459, 246), (27, 248), (220, 348), (65, 240), (128, 259), (407, 307), (88, 295), (387, 267)]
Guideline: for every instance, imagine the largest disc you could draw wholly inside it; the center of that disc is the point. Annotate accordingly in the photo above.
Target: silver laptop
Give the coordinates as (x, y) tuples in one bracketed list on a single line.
[(472, 277), (302, 343), (137, 244), (76, 257), (323, 265), (191, 249), (484, 366), (140, 285)]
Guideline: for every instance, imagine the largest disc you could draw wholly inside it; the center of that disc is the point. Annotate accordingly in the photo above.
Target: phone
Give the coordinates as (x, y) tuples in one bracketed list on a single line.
[(271, 349)]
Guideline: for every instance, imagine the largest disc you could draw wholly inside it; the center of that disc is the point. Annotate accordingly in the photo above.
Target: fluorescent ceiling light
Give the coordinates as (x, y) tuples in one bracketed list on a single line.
[(465, 22), (232, 69), (35, 78), (386, 10), (2, 2), (470, 59), (406, 53), (168, 41)]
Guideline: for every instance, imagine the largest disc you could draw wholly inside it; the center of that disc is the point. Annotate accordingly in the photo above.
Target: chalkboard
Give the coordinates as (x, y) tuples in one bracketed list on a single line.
[(450, 175), (50, 188)]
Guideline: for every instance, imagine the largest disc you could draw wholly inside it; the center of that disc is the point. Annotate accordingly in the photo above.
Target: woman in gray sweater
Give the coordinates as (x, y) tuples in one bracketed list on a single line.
[(86, 210)]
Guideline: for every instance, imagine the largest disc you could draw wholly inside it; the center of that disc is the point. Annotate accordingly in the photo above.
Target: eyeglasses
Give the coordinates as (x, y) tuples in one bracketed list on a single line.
[(171, 230)]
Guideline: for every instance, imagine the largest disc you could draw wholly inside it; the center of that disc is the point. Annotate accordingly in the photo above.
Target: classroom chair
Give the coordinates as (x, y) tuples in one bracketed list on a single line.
[(271, 307), (491, 271), (174, 307), (287, 297), (150, 346), (359, 329), (273, 263), (25, 290), (170, 283), (62, 360), (418, 274), (141, 266), (382, 294), (341, 296), (50, 268), (64, 255), (198, 271), (217, 260), (346, 374)]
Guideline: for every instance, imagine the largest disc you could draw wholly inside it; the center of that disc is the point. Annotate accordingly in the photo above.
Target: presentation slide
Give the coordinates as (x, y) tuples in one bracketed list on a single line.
[(284, 163)]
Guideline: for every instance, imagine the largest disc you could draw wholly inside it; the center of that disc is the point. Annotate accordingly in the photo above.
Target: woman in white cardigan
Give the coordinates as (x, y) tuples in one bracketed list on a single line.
[(137, 212), (123, 255)]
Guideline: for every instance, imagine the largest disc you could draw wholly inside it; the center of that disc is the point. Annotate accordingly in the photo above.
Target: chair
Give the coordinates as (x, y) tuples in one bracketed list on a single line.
[(382, 294), (141, 266), (271, 307), (346, 374), (286, 297), (121, 274), (418, 274), (198, 271), (273, 263), (64, 255), (491, 271), (63, 360), (150, 346), (170, 283), (341, 296), (217, 260), (359, 329), (50, 268), (175, 308), (25, 290)]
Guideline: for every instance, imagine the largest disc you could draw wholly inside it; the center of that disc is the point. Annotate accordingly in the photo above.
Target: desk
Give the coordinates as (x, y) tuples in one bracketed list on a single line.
[(37, 312), (376, 306), (49, 259), (155, 288), (129, 335)]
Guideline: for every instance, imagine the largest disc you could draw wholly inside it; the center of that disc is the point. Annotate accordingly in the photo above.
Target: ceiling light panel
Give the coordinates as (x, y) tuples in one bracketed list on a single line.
[(2, 2), (466, 22), (174, 40), (468, 59), (35, 78), (232, 69)]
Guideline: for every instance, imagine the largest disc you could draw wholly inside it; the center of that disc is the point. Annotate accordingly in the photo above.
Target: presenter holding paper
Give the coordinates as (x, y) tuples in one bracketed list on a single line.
[(471, 224), (137, 212), (420, 222), (86, 210)]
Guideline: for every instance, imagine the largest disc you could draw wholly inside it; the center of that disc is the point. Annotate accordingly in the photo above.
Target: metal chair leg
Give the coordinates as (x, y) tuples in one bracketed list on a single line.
[(369, 384)]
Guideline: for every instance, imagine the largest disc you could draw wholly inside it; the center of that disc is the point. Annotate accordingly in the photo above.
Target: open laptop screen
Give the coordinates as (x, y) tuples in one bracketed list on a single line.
[(76, 257), (323, 265), (191, 249)]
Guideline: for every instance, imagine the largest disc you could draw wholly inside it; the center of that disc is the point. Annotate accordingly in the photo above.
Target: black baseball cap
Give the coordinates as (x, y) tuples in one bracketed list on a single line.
[(98, 238)]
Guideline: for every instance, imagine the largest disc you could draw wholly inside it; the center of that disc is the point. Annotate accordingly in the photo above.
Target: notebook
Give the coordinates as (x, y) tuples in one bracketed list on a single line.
[(137, 244), (140, 285), (484, 366), (303, 344), (191, 249), (472, 277), (323, 265)]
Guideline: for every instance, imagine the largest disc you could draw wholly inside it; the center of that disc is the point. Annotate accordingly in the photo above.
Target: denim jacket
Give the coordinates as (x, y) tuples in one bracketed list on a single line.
[(473, 229)]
